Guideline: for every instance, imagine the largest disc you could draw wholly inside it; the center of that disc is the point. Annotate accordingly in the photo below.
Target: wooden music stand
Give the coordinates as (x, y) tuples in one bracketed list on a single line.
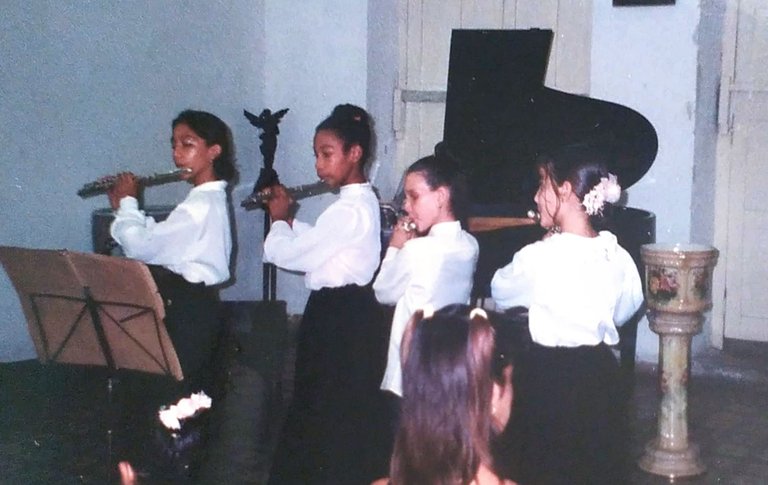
[(91, 309)]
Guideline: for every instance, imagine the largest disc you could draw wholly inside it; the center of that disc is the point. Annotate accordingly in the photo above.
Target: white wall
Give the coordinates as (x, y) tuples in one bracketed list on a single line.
[(89, 91), (383, 46), (90, 88), (646, 58), (316, 58)]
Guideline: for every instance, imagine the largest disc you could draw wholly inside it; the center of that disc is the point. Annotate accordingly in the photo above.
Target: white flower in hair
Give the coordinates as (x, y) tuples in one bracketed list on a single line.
[(611, 188), (200, 400), (169, 419), (171, 416), (607, 190)]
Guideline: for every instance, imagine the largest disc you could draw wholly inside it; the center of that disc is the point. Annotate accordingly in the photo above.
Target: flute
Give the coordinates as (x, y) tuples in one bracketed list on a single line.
[(482, 224), (261, 197), (103, 184)]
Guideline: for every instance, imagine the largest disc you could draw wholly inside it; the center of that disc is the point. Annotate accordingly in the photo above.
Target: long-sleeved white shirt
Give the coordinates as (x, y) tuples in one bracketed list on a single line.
[(577, 289), (437, 269), (195, 241), (342, 247)]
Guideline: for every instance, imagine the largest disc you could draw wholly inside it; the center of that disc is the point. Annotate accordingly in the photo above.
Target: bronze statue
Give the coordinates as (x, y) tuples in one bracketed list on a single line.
[(267, 122)]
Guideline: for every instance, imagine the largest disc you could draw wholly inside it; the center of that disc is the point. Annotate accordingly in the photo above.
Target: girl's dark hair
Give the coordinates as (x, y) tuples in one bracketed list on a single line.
[(215, 132), (583, 165), (445, 429), (442, 170), (352, 125)]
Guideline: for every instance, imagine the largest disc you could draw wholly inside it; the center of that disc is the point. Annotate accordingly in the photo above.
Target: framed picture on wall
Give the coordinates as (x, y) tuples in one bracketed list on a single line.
[(634, 3)]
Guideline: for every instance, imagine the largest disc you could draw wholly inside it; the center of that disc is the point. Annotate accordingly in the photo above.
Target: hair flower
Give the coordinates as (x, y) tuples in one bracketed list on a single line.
[(187, 407), (607, 190)]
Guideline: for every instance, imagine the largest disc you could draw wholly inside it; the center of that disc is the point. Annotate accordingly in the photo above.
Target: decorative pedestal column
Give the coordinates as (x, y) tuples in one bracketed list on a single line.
[(678, 290)]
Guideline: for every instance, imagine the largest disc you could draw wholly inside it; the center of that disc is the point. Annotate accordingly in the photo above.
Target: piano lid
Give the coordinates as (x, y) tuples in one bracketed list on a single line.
[(499, 117)]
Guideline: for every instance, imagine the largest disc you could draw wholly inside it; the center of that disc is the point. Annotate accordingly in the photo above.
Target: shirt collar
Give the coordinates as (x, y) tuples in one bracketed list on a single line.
[(212, 186), (354, 189), (605, 240), (445, 228)]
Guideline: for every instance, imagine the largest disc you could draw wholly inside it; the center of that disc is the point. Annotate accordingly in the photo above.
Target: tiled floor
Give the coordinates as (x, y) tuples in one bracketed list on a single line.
[(727, 411), (52, 431)]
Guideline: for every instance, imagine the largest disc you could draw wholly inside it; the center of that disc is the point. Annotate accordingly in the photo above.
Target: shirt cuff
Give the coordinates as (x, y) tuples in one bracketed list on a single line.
[(129, 203), (281, 226)]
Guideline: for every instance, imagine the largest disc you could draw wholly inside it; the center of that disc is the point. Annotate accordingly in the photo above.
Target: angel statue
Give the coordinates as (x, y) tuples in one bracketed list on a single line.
[(268, 123)]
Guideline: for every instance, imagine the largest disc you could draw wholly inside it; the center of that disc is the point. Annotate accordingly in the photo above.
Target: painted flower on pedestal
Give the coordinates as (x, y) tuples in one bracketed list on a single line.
[(702, 283), (662, 284)]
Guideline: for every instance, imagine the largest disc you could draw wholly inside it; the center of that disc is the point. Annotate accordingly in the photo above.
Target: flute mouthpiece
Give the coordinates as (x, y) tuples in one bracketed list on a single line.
[(409, 226)]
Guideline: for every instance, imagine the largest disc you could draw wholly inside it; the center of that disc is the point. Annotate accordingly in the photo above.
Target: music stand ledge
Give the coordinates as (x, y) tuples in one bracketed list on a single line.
[(91, 309)]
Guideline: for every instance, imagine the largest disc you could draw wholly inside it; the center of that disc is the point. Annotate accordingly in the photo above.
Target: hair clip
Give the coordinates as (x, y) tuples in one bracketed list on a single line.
[(477, 312), (427, 311)]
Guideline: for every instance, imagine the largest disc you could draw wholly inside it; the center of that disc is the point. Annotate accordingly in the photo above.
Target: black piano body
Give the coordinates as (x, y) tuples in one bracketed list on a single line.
[(499, 117)]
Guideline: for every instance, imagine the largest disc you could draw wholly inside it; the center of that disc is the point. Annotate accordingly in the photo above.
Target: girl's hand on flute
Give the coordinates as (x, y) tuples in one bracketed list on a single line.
[(403, 232), (280, 204), (126, 185)]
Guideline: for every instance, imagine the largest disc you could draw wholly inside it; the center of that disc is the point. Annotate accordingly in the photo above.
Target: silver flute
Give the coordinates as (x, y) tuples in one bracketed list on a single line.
[(408, 226), (103, 184), (533, 214), (261, 197)]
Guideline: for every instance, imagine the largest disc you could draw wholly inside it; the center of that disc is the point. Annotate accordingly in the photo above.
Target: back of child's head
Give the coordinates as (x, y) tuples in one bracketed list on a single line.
[(452, 360), (584, 165), (442, 170), (581, 164), (214, 131), (352, 125)]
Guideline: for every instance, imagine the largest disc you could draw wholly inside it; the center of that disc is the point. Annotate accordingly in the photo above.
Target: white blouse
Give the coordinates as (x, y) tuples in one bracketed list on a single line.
[(577, 289), (195, 241), (342, 247), (437, 269)]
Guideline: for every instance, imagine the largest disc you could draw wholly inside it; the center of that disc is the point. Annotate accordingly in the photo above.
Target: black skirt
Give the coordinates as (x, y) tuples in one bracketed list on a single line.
[(569, 416), (333, 432), (193, 321)]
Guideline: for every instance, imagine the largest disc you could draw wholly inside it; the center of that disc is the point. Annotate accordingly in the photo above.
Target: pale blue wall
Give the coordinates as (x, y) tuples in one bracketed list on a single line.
[(316, 58), (89, 88), (383, 47), (647, 58)]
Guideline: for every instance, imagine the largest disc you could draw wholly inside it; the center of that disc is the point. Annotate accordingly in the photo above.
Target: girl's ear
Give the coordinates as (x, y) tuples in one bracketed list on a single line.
[(500, 390), (502, 398), (443, 197), (565, 190), (356, 153), (214, 151)]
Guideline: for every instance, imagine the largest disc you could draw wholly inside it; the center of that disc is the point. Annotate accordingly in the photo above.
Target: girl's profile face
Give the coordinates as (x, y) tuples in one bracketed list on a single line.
[(192, 152), (547, 200), (422, 203), (335, 166)]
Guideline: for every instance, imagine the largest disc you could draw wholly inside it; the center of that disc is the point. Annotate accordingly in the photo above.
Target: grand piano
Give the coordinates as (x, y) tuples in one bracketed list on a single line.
[(499, 117)]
